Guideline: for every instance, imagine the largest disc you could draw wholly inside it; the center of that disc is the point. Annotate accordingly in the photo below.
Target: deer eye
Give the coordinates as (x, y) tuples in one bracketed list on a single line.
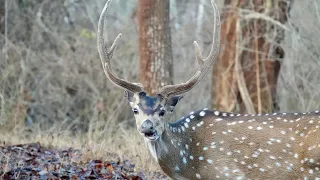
[(135, 111), (162, 113)]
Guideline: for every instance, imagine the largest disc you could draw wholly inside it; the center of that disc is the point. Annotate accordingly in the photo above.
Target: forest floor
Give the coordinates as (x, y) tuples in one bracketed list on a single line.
[(37, 161)]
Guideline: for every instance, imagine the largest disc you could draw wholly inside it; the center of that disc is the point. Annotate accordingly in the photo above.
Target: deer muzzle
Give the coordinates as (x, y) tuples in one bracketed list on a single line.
[(147, 128)]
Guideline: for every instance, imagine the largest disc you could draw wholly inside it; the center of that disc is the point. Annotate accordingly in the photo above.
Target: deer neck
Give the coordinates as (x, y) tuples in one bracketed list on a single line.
[(169, 150)]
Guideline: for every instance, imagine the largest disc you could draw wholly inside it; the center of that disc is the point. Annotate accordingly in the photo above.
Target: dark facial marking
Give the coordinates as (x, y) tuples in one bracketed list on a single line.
[(149, 104)]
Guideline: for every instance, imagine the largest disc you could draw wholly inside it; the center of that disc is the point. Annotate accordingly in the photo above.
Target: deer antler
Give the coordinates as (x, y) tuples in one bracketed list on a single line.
[(106, 55), (205, 63)]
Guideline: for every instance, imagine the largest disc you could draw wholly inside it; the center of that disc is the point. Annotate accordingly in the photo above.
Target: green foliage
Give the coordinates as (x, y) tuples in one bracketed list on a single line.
[(85, 33)]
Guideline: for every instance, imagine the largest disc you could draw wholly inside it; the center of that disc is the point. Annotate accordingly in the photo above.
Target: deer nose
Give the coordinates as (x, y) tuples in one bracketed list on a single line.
[(147, 127)]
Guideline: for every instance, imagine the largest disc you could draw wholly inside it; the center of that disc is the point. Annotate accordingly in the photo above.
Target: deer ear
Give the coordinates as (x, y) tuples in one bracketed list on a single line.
[(172, 102), (129, 95)]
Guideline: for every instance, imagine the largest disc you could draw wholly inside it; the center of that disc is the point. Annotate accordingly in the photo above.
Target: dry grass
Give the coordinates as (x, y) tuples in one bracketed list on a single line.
[(53, 90)]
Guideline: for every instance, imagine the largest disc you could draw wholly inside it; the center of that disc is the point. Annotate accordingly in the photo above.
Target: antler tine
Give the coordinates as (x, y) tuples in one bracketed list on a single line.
[(204, 64), (106, 55)]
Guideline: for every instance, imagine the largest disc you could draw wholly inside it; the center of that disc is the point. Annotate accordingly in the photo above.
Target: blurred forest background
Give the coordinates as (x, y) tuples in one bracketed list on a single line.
[(53, 89)]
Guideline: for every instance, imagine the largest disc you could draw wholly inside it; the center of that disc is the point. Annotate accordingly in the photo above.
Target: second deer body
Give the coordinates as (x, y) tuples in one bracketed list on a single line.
[(210, 144)]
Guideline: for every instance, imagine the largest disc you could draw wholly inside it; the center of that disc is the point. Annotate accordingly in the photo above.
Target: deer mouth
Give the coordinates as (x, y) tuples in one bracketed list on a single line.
[(152, 135)]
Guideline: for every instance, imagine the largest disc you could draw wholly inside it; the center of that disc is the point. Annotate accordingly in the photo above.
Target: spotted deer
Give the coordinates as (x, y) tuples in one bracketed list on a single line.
[(208, 144)]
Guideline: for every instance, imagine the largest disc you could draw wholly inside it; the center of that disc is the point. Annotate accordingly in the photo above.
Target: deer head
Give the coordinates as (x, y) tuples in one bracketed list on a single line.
[(151, 111)]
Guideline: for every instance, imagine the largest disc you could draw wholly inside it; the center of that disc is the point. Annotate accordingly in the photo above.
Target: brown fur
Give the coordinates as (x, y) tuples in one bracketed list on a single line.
[(276, 139)]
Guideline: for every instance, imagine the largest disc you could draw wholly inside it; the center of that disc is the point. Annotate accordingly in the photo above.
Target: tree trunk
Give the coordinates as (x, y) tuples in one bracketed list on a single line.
[(246, 72), (154, 44)]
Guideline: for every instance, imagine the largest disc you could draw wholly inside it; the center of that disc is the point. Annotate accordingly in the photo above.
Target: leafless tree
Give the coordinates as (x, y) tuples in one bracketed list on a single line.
[(246, 73)]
